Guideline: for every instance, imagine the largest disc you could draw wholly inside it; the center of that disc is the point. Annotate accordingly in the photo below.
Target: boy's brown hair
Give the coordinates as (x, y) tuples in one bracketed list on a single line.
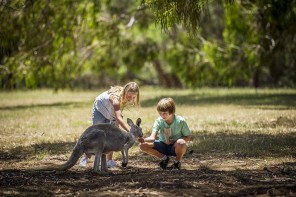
[(166, 105)]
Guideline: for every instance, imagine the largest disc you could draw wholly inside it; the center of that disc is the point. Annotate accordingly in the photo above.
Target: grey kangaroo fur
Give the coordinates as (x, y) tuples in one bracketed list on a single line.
[(100, 139)]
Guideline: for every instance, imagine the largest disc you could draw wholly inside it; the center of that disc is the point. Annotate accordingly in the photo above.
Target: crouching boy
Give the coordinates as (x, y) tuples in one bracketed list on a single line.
[(173, 132)]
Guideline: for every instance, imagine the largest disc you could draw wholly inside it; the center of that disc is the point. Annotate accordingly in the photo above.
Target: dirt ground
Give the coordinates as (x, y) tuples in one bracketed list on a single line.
[(200, 176)]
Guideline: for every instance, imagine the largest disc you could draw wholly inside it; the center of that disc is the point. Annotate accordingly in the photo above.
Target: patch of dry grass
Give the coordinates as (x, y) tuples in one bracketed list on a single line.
[(227, 124)]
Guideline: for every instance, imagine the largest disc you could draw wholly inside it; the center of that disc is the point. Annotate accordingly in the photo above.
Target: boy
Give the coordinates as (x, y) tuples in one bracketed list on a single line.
[(173, 134)]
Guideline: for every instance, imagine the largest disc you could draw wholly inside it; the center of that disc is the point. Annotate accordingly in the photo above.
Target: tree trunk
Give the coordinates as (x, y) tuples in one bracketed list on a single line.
[(168, 80)]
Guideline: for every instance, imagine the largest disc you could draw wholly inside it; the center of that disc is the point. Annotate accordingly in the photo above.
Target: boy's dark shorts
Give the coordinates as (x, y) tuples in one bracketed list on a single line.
[(164, 148)]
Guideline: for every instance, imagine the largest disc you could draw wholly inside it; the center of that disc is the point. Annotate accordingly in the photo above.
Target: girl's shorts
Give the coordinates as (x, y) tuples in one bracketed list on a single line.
[(98, 117)]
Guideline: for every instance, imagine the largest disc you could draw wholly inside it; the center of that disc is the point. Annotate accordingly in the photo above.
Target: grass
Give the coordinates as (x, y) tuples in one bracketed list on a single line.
[(248, 123)]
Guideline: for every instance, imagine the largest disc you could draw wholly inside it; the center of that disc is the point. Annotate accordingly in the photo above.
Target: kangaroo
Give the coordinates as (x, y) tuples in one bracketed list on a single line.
[(100, 139)]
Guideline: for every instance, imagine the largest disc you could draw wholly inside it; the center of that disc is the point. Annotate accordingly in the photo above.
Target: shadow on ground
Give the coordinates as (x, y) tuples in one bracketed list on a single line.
[(248, 144), (25, 153), (223, 143), (45, 105), (144, 179), (284, 101)]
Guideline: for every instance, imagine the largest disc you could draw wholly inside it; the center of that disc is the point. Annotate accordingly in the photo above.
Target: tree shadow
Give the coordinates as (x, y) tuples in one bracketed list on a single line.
[(45, 105), (201, 180), (25, 153), (223, 143), (144, 181), (276, 101), (248, 144)]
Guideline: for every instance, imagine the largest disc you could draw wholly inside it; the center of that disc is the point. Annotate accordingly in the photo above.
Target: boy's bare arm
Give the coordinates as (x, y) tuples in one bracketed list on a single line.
[(151, 138)]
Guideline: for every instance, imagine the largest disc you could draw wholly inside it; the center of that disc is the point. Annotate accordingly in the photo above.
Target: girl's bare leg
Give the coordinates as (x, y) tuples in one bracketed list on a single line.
[(110, 156)]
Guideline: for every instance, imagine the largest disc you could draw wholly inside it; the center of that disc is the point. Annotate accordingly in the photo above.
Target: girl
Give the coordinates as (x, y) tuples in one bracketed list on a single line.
[(108, 108)]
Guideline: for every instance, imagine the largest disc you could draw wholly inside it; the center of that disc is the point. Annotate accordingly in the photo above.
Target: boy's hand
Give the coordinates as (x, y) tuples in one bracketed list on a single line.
[(141, 139)]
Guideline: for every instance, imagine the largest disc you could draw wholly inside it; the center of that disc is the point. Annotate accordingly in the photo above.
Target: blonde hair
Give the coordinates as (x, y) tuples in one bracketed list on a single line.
[(121, 92), (166, 105)]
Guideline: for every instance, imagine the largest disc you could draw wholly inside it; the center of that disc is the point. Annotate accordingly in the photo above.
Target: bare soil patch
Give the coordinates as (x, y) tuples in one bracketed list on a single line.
[(200, 176)]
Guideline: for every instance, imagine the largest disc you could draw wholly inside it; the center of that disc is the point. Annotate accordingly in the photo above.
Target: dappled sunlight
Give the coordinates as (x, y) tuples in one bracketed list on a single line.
[(28, 99), (239, 139), (246, 144), (261, 98), (153, 181)]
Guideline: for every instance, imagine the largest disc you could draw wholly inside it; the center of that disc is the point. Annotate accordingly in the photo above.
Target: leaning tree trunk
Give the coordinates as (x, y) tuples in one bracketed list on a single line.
[(168, 80)]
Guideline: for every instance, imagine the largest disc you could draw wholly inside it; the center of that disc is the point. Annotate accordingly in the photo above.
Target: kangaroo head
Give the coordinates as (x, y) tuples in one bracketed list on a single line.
[(136, 130)]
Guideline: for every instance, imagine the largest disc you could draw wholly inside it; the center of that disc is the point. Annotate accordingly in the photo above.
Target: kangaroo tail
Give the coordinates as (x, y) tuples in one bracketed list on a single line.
[(76, 154)]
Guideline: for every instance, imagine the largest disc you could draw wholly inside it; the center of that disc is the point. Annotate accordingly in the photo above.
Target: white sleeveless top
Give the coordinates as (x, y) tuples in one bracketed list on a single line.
[(104, 105)]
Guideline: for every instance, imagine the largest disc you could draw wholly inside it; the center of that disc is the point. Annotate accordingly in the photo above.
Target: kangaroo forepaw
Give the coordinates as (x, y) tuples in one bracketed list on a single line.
[(123, 164)]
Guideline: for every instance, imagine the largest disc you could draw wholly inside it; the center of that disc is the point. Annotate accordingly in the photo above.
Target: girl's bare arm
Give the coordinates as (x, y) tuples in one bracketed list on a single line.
[(118, 115)]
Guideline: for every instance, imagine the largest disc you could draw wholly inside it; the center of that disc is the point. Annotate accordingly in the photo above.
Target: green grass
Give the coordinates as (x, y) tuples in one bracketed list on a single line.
[(242, 122)]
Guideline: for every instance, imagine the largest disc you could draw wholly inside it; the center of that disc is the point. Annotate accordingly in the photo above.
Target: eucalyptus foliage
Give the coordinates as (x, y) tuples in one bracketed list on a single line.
[(174, 43), (47, 41), (185, 12), (258, 44)]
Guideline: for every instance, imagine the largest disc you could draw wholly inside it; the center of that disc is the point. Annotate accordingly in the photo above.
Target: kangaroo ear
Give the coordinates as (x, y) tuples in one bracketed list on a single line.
[(130, 122), (138, 121)]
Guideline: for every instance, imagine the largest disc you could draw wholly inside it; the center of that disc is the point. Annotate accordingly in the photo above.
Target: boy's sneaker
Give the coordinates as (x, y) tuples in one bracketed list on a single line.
[(177, 165), (111, 164), (83, 161), (164, 163)]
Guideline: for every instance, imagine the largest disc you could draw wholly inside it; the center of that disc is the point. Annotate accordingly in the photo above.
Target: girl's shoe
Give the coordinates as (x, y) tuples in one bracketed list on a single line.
[(111, 164), (83, 161)]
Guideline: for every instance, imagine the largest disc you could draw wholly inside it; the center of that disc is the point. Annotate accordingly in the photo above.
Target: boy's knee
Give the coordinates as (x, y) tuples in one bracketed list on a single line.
[(181, 142)]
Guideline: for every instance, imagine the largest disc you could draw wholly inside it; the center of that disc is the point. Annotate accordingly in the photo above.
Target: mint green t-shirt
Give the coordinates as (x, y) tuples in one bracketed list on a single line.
[(178, 127)]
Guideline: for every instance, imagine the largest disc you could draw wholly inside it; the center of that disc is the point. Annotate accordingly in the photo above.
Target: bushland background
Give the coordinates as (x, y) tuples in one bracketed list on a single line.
[(91, 44)]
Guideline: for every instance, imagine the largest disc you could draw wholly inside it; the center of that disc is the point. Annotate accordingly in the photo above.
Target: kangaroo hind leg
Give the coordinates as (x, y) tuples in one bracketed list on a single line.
[(98, 163), (124, 154), (104, 167)]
